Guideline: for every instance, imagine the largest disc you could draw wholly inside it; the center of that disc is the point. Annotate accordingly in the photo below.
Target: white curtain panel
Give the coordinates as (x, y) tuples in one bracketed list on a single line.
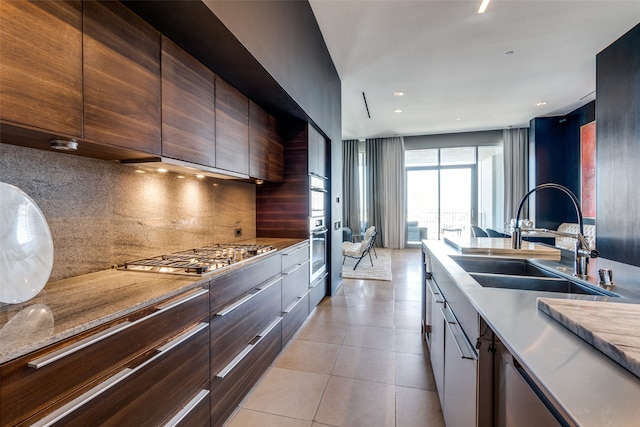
[(394, 193), (516, 170)]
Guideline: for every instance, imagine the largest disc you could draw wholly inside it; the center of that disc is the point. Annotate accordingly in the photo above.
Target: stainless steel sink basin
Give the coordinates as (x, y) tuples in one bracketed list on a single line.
[(518, 267), (532, 283)]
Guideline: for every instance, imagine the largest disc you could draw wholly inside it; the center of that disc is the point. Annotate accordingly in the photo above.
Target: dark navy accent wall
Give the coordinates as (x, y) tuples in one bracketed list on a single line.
[(618, 149), (555, 144)]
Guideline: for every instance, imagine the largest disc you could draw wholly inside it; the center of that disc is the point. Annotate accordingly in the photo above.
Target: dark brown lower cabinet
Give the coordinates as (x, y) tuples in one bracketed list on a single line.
[(317, 291), (294, 316), (146, 393), (229, 386), (64, 371), (187, 361), (235, 325)]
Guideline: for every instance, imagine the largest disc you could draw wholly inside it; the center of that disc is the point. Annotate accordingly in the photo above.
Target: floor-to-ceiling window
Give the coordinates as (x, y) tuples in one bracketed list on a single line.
[(451, 188)]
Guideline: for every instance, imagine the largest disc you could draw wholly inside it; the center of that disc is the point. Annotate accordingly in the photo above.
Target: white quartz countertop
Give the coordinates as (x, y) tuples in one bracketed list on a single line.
[(588, 387)]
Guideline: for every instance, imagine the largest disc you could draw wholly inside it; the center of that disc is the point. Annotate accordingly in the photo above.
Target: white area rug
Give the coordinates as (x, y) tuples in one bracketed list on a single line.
[(381, 269)]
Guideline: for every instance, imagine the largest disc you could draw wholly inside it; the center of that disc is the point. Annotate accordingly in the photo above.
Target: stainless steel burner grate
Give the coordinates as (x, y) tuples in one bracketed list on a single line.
[(199, 261)]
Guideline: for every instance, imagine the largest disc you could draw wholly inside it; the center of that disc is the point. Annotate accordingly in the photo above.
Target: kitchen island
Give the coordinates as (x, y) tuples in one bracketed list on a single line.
[(581, 385)]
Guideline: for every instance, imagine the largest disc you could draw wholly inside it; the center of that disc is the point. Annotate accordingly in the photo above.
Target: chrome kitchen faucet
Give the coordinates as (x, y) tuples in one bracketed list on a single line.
[(582, 253)]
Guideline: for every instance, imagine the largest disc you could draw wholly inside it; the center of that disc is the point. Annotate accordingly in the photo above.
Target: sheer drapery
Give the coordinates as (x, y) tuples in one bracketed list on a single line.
[(351, 186), (394, 193), (373, 155), (385, 187), (516, 169)]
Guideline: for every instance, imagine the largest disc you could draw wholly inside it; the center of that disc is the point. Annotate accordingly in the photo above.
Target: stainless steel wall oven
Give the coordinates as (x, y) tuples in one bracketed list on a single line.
[(317, 196), (318, 245)]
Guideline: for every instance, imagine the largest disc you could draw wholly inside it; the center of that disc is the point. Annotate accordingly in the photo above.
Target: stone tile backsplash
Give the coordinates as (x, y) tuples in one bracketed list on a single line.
[(103, 213)]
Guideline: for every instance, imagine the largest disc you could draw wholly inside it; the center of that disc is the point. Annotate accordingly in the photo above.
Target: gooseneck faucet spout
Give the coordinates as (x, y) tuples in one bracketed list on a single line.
[(582, 252)]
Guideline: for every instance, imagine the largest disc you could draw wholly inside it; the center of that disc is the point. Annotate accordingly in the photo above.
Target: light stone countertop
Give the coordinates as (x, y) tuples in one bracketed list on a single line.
[(588, 387), (70, 306)]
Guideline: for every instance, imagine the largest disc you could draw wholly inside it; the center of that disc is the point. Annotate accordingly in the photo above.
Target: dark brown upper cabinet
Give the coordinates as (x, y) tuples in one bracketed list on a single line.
[(41, 65), (121, 69), (317, 153), (188, 107), (258, 142), (232, 128), (276, 152)]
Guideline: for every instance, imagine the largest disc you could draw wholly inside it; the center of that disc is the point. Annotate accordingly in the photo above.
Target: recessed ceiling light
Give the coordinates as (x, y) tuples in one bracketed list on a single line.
[(180, 176), (483, 6), (139, 171), (162, 170), (397, 110), (398, 93), (541, 103), (200, 176)]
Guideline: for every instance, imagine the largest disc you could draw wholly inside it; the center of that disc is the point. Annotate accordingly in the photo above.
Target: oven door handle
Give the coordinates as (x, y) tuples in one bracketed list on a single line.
[(320, 231)]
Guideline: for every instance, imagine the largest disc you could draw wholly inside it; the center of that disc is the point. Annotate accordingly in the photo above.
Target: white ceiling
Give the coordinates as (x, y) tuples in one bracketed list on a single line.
[(451, 62)]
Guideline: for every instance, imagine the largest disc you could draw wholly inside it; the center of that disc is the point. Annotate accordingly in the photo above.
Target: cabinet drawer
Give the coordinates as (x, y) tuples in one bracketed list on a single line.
[(295, 282), (232, 285), (294, 316), (318, 291), (195, 413), (295, 255), (146, 393), (64, 368), (235, 325), (234, 382)]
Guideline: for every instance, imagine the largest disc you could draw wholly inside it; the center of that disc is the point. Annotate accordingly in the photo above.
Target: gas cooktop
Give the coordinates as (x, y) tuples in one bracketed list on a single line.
[(199, 261)]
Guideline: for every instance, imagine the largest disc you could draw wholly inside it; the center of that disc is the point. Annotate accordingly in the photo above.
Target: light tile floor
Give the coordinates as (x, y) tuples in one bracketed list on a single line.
[(357, 361)]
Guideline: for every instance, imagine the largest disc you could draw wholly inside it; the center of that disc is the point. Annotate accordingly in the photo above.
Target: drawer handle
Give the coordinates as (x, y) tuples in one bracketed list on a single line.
[(76, 403), (306, 246), (183, 337), (294, 304), (448, 315), (296, 267), (65, 410), (464, 348), (228, 309), (317, 282), (236, 360), (171, 304), (70, 349), (187, 409), (438, 299)]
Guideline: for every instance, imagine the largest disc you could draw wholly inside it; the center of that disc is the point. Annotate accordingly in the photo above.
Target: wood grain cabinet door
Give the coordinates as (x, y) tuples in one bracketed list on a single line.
[(41, 64), (258, 142), (188, 107), (276, 152), (232, 128), (121, 78)]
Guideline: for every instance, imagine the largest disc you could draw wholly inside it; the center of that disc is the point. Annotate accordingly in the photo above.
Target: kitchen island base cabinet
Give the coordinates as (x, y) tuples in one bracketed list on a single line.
[(437, 339), (517, 404), (460, 373)]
